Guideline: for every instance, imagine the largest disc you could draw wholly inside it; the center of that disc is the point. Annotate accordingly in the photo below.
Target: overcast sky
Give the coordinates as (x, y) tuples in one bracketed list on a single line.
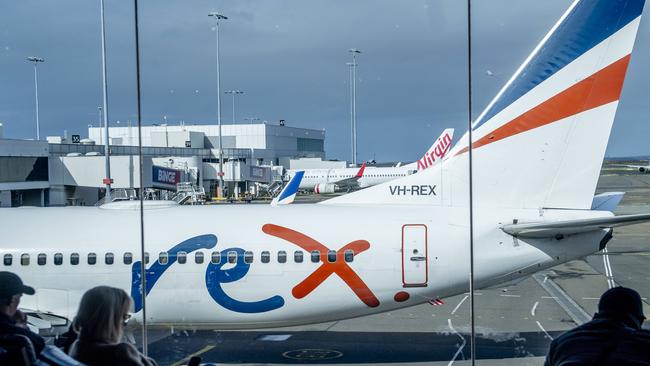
[(289, 57)]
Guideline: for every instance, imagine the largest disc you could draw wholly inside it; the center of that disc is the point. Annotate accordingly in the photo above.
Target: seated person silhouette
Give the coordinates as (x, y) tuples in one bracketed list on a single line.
[(613, 337), (99, 323), (13, 322)]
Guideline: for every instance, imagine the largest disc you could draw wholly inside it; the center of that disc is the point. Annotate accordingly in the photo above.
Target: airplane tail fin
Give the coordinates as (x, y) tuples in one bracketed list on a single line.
[(288, 193), (540, 142), (361, 170), (437, 151)]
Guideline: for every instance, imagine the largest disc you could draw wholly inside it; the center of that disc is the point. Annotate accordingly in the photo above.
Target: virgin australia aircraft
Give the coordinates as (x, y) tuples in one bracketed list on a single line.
[(537, 151), (349, 179)]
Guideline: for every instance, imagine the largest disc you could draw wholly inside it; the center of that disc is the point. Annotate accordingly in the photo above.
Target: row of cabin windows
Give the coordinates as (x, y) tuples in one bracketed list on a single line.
[(181, 257)]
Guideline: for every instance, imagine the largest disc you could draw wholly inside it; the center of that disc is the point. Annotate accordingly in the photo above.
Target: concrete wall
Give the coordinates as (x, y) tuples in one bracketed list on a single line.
[(89, 171)]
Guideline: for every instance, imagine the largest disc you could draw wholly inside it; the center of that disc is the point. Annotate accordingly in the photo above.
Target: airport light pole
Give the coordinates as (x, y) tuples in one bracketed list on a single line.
[(234, 94), (218, 17), (252, 119), (353, 101), (36, 60), (107, 152)]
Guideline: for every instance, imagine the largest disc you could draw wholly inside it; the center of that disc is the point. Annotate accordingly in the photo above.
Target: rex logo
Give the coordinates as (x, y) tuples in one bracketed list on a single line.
[(216, 275)]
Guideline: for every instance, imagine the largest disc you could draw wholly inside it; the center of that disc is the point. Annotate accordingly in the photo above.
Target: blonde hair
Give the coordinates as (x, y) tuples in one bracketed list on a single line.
[(101, 314)]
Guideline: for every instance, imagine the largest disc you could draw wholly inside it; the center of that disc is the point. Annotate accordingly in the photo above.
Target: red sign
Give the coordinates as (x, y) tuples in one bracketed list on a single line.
[(107, 181)]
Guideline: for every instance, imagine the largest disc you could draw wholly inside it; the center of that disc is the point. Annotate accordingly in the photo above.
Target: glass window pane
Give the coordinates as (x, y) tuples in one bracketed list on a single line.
[(109, 258), (198, 257), (58, 259), (232, 257), (92, 258), (331, 256), (128, 258), (74, 259), (8, 259), (181, 257), (315, 256), (298, 256), (24, 259), (215, 258), (349, 255), (266, 257), (163, 258), (282, 256), (42, 259), (248, 257)]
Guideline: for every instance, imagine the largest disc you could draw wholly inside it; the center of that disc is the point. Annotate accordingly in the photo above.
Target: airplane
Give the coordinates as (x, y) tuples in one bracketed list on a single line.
[(640, 168), (322, 181), (537, 151)]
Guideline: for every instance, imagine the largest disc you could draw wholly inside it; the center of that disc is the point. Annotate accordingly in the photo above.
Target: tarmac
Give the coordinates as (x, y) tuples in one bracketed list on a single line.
[(514, 324)]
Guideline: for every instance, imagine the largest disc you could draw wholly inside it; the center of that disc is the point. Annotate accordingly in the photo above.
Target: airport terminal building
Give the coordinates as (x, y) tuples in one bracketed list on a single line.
[(71, 171)]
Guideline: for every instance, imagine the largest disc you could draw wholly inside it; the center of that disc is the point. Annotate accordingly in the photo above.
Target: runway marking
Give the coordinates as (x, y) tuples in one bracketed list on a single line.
[(459, 304), (532, 311), (591, 298), (545, 279), (460, 348), (608, 269), (506, 295), (543, 330), (549, 297), (577, 313), (199, 352)]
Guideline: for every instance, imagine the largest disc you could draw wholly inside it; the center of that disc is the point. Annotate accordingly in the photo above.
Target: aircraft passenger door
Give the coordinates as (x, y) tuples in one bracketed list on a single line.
[(414, 256)]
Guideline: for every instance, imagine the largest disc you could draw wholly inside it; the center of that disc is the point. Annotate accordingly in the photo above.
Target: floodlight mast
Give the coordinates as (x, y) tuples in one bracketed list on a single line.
[(107, 159), (234, 93), (36, 60), (353, 101), (217, 18)]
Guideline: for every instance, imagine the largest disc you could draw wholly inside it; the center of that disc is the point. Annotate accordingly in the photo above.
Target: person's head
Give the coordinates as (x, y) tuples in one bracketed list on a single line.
[(622, 303), (11, 290), (102, 313)]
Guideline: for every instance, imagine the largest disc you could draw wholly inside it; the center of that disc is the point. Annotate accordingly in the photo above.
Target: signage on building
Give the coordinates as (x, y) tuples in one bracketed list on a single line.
[(188, 143), (76, 139), (165, 177)]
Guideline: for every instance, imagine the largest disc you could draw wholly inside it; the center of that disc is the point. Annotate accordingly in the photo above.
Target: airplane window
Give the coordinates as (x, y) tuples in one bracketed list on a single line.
[(216, 258), (198, 257), (42, 259), (182, 257), (349, 255), (128, 258), (58, 259), (146, 257), (282, 256), (109, 258), (266, 257), (297, 256), (74, 259), (92, 258), (248, 257), (8, 259), (331, 256), (163, 258), (315, 256), (24, 259), (232, 257)]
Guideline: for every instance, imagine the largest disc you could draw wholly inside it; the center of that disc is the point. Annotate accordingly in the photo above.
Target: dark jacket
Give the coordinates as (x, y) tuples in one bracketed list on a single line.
[(8, 326), (104, 354), (601, 342)]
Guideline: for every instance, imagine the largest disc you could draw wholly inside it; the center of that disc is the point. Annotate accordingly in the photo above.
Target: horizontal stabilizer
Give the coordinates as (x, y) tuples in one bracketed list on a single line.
[(607, 201), (567, 227)]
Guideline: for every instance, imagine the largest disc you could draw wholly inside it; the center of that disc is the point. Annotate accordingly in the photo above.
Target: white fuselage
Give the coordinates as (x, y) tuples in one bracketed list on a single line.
[(371, 176), (270, 294)]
